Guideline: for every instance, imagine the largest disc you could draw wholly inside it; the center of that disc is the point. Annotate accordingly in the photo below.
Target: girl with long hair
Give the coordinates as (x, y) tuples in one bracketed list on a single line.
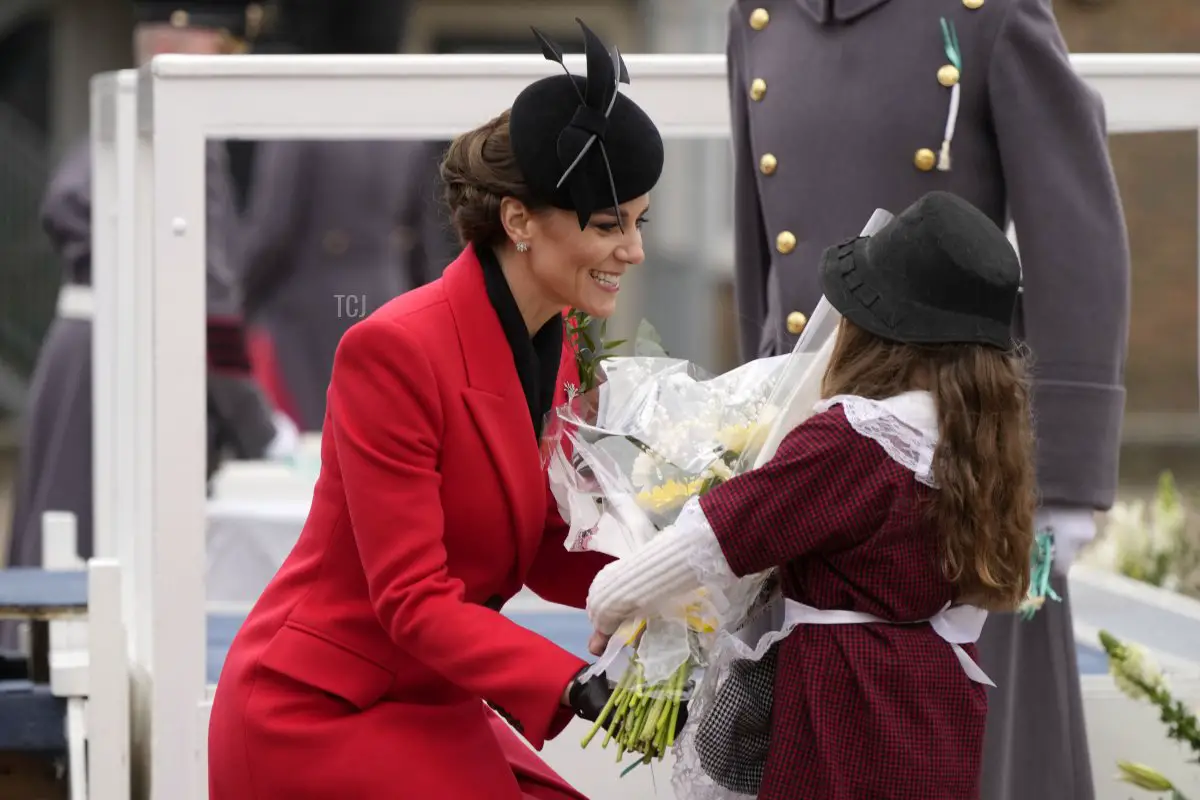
[(895, 517)]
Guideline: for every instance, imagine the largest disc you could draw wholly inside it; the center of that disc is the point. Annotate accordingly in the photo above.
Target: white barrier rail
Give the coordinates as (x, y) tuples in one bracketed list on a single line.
[(184, 100), (116, 333)]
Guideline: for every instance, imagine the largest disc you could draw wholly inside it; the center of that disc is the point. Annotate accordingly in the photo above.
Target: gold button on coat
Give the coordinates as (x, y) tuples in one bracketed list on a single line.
[(796, 322), (785, 242), (973, 3), (758, 89), (767, 164), (759, 18), (948, 75), (336, 242), (925, 160)]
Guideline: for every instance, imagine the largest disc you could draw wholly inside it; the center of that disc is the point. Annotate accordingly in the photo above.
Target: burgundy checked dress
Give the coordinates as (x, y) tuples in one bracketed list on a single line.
[(861, 711)]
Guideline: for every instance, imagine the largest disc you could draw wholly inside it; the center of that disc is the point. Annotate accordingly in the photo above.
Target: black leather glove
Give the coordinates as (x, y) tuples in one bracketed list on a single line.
[(588, 698)]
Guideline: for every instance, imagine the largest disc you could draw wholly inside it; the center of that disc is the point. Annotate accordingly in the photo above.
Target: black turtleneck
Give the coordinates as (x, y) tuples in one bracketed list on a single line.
[(537, 358)]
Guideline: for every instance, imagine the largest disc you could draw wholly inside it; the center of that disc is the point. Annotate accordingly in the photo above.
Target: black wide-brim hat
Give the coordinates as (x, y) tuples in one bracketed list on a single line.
[(580, 144), (940, 272), (235, 17)]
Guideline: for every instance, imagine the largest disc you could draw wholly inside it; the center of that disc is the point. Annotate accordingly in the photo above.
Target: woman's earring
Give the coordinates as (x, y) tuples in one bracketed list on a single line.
[(522, 247)]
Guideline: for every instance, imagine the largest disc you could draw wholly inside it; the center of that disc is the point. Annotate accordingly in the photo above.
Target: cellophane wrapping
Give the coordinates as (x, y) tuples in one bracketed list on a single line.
[(625, 457)]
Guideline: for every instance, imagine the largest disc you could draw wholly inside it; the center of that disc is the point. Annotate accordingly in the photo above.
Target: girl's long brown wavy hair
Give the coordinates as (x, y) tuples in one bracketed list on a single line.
[(984, 463)]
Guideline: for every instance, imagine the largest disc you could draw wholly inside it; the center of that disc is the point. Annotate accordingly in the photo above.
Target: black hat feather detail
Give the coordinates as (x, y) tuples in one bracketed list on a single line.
[(581, 144)]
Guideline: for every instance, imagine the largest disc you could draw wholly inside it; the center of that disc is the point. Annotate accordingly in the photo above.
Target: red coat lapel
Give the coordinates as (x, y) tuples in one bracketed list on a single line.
[(497, 404)]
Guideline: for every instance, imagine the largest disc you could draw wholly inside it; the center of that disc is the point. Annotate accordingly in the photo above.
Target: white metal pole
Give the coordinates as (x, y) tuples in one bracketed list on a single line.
[(128, 338), (170, 228), (105, 315), (113, 136)]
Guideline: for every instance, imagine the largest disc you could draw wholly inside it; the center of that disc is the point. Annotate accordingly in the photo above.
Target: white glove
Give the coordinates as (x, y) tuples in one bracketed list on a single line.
[(1072, 529), (286, 443), (631, 586), (663, 568), (609, 603)]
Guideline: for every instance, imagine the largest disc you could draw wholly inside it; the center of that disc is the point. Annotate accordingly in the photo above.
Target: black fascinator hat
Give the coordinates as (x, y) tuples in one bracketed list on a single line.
[(581, 145), (941, 272)]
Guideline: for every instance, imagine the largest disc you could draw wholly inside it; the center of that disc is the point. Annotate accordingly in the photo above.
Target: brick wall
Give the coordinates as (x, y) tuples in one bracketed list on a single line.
[(1157, 174)]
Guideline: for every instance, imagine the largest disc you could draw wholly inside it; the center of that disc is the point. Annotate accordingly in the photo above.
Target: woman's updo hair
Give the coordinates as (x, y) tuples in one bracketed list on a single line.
[(479, 171)]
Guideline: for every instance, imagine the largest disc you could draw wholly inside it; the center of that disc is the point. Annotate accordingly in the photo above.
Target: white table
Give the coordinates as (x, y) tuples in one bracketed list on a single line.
[(247, 543)]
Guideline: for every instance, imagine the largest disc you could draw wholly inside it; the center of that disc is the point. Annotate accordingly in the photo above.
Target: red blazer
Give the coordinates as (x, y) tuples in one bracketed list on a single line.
[(362, 670)]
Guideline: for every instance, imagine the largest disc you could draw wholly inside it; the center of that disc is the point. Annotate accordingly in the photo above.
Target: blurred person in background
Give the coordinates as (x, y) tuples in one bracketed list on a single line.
[(55, 472), (840, 107), (333, 229)]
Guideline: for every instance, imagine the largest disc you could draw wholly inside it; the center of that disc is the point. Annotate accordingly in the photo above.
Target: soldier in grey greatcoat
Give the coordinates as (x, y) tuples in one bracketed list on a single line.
[(333, 229), (55, 473), (840, 107)]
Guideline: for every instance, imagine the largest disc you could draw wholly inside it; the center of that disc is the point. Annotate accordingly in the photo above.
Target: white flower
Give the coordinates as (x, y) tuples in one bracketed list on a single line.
[(719, 469), (1135, 671), (1141, 541), (646, 471)]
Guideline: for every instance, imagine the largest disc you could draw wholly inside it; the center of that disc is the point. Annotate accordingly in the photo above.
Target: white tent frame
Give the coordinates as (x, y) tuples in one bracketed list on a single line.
[(184, 100), (115, 332)]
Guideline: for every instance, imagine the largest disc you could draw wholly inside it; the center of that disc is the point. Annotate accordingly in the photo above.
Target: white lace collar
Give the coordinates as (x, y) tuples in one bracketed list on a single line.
[(905, 426)]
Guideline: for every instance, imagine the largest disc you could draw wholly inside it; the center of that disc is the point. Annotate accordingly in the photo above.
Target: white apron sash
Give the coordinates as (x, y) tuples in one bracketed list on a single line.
[(957, 625)]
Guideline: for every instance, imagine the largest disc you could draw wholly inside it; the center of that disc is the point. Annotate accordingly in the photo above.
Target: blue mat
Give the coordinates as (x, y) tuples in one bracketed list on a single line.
[(568, 629), (37, 592)]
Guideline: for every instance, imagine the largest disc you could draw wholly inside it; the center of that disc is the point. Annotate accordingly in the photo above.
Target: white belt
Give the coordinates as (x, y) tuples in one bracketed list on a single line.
[(957, 625), (76, 302)]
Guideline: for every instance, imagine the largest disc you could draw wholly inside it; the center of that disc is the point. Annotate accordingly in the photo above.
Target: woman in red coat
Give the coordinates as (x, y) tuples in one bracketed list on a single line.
[(364, 669)]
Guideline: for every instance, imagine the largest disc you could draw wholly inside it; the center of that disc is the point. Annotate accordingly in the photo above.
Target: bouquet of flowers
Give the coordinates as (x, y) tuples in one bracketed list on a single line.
[(624, 458)]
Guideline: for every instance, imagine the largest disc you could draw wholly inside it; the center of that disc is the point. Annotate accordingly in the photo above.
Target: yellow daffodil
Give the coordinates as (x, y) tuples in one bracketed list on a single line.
[(737, 438), (632, 638), (668, 496), (700, 624)]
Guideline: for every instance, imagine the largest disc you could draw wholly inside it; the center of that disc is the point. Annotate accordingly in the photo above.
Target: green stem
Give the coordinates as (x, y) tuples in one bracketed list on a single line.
[(633, 766), (680, 682), (657, 703), (612, 700), (619, 717)]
